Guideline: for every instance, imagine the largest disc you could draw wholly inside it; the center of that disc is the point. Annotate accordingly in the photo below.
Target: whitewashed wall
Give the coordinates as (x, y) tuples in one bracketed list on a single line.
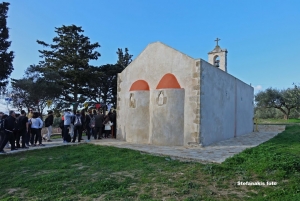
[(226, 108)]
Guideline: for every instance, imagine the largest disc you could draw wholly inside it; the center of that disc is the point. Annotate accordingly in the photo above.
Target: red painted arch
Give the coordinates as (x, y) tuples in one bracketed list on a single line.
[(139, 85), (168, 81)]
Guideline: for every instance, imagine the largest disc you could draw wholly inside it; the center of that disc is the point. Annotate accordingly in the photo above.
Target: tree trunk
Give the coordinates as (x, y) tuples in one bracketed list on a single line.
[(286, 114)]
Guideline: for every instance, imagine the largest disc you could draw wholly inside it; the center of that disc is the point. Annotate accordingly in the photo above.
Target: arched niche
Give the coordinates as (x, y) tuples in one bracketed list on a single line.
[(139, 85), (168, 81), (217, 61)]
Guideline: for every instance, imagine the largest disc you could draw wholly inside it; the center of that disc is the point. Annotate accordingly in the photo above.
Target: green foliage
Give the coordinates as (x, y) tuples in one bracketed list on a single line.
[(124, 59), (272, 113), (68, 58), (21, 89), (104, 87), (56, 121), (6, 57), (34, 90), (284, 100)]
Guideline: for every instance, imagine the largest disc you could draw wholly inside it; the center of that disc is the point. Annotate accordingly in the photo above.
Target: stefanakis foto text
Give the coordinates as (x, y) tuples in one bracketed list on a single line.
[(257, 183)]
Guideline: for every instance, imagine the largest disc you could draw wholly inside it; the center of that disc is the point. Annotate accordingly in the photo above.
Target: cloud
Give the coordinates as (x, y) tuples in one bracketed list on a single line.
[(257, 88)]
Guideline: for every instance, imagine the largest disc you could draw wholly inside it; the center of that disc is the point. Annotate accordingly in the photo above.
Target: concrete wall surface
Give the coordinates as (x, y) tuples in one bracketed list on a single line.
[(245, 108), (226, 108), (167, 118), (138, 117)]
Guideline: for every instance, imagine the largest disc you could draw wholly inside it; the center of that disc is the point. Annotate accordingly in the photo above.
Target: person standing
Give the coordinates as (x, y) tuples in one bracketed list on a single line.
[(88, 124), (17, 131), (113, 119), (83, 121), (108, 125), (23, 128), (48, 125), (67, 122), (36, 127), (61, 126), (9, 127), (30, 114), (77, 127), (72, 126), (99, 118)]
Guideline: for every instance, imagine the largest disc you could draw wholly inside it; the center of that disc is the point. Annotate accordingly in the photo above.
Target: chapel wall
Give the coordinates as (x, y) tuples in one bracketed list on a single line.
[(151, 65), (245, 108), (138, 117), (167, 127), (193, 100), (222, 113)]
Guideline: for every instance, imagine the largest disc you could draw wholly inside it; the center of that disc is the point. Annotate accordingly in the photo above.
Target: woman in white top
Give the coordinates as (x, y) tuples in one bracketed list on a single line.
[(107, 123), (36, 126)]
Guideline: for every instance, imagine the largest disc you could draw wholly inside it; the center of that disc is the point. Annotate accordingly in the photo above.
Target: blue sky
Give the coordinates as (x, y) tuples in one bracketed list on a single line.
[(261, 36)]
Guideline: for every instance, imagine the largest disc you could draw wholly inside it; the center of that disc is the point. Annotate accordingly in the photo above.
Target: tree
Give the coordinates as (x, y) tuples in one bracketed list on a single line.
[(124, 59), (69, 58), (284, 100), (297, 97), (21, 97), (33, 90), (28, 93), (6, 57), (104, 87)]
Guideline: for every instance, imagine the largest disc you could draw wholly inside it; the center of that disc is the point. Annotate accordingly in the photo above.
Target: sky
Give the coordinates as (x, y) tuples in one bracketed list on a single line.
[(261, 36)]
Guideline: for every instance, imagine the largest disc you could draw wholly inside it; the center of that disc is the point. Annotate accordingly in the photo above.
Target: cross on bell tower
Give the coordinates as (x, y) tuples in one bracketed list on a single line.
[(217, 40), (218, 57)]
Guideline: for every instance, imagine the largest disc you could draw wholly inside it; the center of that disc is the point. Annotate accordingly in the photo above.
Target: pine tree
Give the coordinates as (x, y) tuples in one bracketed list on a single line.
[(124, 59), (69, 56), (6, 57)]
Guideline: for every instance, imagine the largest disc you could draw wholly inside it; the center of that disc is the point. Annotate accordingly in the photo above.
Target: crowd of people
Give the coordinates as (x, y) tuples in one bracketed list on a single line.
[(21, 131), (95, 124)]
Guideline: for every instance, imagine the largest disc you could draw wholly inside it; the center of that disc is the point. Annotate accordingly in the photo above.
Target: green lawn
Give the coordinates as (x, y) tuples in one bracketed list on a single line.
[(90, 172), (278, 121)]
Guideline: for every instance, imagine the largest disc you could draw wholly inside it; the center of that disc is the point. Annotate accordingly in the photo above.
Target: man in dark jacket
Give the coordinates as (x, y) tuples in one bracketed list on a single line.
[(87, 125), (99, 118), (23, 129), (78, 124), (9, 127)]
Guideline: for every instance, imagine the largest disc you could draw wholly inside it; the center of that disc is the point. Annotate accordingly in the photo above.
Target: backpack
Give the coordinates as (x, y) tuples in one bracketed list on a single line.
[(77, 121), (92, 122)]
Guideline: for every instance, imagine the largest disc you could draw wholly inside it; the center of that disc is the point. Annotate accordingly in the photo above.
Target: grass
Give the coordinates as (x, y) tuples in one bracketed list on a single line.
[(278, 121), (91, 172)]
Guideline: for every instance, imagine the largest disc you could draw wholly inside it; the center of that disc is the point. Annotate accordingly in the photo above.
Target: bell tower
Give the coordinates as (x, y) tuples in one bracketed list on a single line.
[(218, 57)]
